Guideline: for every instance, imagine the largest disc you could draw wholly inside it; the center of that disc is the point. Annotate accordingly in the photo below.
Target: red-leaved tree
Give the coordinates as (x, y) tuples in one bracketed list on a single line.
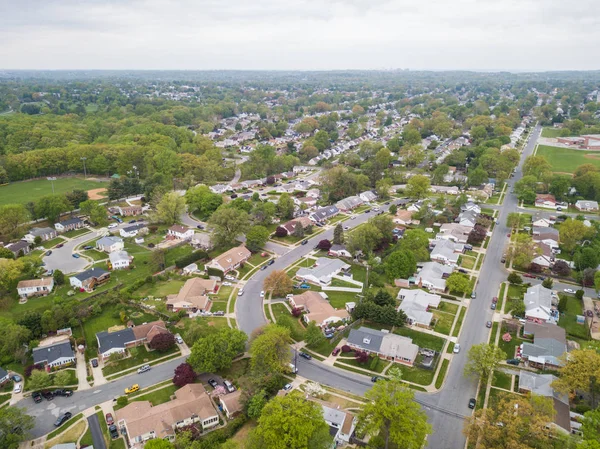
[(162, 342), (325, 245), (184, 374)]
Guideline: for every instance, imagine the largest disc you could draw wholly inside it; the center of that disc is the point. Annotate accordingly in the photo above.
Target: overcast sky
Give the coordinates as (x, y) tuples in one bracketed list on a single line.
[(300, 34)]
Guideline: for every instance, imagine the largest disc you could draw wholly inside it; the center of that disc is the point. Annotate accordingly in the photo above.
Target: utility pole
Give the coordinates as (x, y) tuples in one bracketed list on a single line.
[(52, 179), (84, 169)]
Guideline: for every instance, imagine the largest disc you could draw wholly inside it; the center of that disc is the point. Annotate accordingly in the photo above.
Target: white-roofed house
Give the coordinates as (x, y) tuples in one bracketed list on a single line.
[(322, 271), (432, 276), (447, 252), (109, 244), (416, 304), (119, 260), (368, 196), (538, 305)]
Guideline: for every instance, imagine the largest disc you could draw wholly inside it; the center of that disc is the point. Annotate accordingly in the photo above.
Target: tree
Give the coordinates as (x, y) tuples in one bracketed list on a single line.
[(15, 425), (579, 373), (338, 234), (76, 197), (411, 136), (184, 374), (383, 187), (325, 245), (524, 424), (559, 186), (393, 209), (202, 202), (62, 378), (365, 239), (285, 206), (417, 242), (439, 173), (418, 187), (400, 265), (586, 257), (11, 217), (169, 208), (590, 425), (561, 268), (59, 277), (537, 166), (158, 259), (458, 282), (227, 224), (513, 220), (524, 251), (12, 336), (279, 283), (280, 232), (255, 404), (525, 189), (158, 443), (51, 206), (477, 176), (95, 211), (572, 232), (392, 418), (216, 351), (39, 380), (482, 359), (6, 253), (162, 342), (256, 237), (548, 282), (290, 422), (270, 351), (385, 225), (314, 335)]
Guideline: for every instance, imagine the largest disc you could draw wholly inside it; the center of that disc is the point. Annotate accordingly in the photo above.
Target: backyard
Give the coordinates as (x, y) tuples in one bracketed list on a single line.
[(568, 319)]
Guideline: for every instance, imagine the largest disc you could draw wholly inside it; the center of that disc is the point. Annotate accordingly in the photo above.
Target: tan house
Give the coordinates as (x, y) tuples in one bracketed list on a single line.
[(144, 422), (230, 260), (231, 403), (317, 308), (130, 211), (35, 287), (404, 217), (193, 296), (291, 225)]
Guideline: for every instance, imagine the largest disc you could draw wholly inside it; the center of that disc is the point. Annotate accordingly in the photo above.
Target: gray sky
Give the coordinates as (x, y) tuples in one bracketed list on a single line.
[(299, 34)]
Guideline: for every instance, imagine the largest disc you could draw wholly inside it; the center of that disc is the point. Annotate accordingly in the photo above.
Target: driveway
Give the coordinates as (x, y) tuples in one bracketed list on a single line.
[(97, 437), (62, 258)]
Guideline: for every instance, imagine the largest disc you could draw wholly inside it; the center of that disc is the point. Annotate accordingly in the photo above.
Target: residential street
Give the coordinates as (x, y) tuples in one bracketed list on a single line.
[(61, 258)]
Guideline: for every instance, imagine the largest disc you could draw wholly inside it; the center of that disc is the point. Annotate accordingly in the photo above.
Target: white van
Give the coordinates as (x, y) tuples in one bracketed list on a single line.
[(229, 386), (293, 368)]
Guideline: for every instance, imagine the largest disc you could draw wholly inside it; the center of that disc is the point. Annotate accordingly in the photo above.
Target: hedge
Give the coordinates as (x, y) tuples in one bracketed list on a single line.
[(215, 272), (191, 258)]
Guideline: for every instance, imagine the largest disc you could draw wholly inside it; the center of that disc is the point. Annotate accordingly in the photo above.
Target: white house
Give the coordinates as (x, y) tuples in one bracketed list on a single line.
[(447, 252), (43, 233), (35, 287), (538, 304), (119, 260), (54, 355), (110, 244), (542, 223), (339, 251), (131, 231), (368, 196), (585, 205), (416, 304), (68, 225), (180, 232), (468, 218), (471, 206), (432, 276), (322, 271), (343, 421)]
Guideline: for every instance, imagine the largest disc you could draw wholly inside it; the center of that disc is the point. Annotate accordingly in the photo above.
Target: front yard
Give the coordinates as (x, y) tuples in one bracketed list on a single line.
[(52, 242), (76, 232), (138, 356)]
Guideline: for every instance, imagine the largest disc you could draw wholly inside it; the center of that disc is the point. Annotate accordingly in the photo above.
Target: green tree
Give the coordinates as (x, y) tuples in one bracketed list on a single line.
[(255, 404), (39, 380), (559, 186), (411, 136), (580, 373), (537, 166), (524, 251), (270, 351), (392, 418), (364, 239), (95, 211), (216, 351), (290, 422), (437, 177), (477, 176), (400, 265), (314, 335), (572, 232), (158, 443), (15, 425), (279, 283), (256, 237), (548, 282), (338, 234), (202, 202), (59, 277), (11, 217), (169, 208), (513, 220), (393, 209), (227, 224), (482, 359), (51, 207), (458, 282), (417, 242), (591, 425), (412, 155), (62, 378), (418, 187), (12, 337), (515, 279), (382, 187), (285, 206)]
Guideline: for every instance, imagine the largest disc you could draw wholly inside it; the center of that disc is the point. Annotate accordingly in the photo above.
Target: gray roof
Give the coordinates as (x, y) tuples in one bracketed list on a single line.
[(324, 270), (70, 221), (338, 248), (134, 227), (540, 384), (41, 231), (549, 342), (91, 273), (333, 415), (112, 340), (325, 212), (3, 372), (68, 446), (108, 241), (349, 203), (52, 353), (365, 338), (17, 246)]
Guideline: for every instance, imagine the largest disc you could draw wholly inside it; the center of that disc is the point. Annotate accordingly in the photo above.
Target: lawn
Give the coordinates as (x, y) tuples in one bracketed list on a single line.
[(160, 289), (565, 160), (139, 355), (509, 347), (568, 319), (416, 375), (76, 232), (52, 242), (501, 380), (421, 339), (218, 306), (155, 397), (26, 191), (338, 300), (467, 262), (298, 330), (443, 322), (207, 323), (95, 255), (551, 132), (175, 253), (224, 293), (461, 317), (440, 379)]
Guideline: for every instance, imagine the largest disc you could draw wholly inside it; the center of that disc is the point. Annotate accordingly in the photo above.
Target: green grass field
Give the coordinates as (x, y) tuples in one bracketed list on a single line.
[(23, 192), (551, 132), (566, 160)]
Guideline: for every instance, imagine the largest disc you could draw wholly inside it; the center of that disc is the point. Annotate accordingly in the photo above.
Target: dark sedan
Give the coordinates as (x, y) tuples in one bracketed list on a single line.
[(62, 419)]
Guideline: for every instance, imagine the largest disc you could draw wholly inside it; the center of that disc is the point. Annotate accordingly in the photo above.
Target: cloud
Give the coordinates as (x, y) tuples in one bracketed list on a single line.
[(299, 34)]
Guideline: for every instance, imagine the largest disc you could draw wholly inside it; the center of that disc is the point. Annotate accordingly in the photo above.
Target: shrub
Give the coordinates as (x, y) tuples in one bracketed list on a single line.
[(215, 272), (362, 357), (346, 348), (162, 342), (515, 279), (582, 408), (296, 312), (191, 258), (122, 401), (280, 232), (562, 304), (579, 294)]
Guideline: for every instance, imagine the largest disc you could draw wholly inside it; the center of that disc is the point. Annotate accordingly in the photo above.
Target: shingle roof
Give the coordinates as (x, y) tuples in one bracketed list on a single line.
[(91, 273), (108, 241), (110, 340), (70, 221), (3, 372), (366, 338), (54, 352)]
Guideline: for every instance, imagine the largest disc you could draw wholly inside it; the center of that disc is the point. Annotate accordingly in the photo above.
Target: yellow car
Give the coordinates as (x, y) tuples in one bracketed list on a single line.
[(132, 389)]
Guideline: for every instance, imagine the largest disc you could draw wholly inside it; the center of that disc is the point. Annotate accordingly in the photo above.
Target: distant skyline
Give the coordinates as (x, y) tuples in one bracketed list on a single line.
[(478, 35)]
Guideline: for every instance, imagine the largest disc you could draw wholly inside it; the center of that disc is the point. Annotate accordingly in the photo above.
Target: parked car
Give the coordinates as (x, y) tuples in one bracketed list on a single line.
[(264, 267), (16, 378), (132, 221), (76, 256), (262, 294), (48, 252), (304, 242), (336, 351), (515, 362), (229, 386), (37, 397), (62, 419), (114, 433), (473, 295), (95, 363), (346, 228), (304, 355), (456, 348), (178, 339), (88, 247), (213, 383), (462, 270), (271, 262), (495, 299), (287, 387), (527, 275), (47, 395), (200, 227), (488, 324), (18, 388), (230, 278), (376, 379), (493, 306), (109, 419), (240, 292), (112, 225), (569, 290), (60, 245), (143, 369), (132, 389), (63, 392), (472, 403), (226, 284), (293, 368)]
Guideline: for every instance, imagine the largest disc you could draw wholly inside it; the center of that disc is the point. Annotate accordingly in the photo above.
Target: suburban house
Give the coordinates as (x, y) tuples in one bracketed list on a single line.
[(448, 190), (130, 211), (202, 240), (43, 233), (89, 279), (144, 421), (231, 403), (368, 196), (69, 225), (55, 355), (585, 205), (35, 287), (416, 304), (119, 260), (432, 276), (313, 193), (349, 204), (291, 225), (230, 260), (338, 251), (470, 206), (467, 218), (538, 305), (541, 385), (324, 214), (4, 376), (193, 296), (341, 423), (385, 345), (453, 231), (317, 308), (19, 248), (220, 188), (549, 345), (132, 231), (180, 232), (546, 257), (110, 244), (121, 340), (545, 200), (322, 271), (404, 217), (308, 201), (542, 223), (446, 252), (548, 236)]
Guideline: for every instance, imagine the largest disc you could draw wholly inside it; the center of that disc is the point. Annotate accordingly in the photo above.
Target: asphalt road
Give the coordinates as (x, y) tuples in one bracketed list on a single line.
[(97, 437), (62, 259)]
